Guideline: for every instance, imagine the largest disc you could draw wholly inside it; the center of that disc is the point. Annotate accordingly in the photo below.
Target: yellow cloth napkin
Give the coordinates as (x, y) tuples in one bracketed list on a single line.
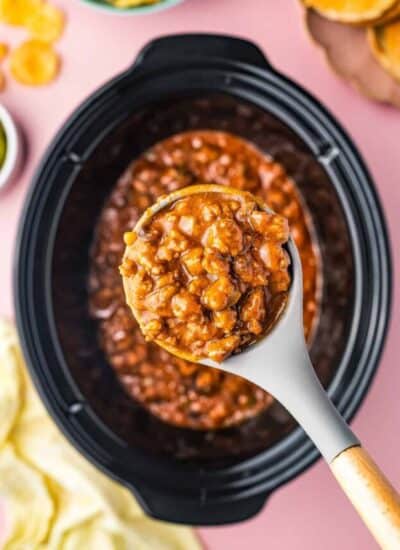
[(54, 498)]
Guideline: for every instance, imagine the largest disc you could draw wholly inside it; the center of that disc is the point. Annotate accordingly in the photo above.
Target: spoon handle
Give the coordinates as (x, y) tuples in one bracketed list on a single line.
[(371, 494)]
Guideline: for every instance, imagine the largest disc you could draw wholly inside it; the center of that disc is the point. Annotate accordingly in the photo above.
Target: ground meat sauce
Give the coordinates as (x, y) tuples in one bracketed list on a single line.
[(177, 391), (207, 274)]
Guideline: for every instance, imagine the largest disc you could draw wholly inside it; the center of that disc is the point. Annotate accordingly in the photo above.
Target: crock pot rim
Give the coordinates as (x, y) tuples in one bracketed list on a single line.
[(238, 69)]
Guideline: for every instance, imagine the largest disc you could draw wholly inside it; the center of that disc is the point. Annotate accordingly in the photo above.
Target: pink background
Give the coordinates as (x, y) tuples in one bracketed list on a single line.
[(310, 512)]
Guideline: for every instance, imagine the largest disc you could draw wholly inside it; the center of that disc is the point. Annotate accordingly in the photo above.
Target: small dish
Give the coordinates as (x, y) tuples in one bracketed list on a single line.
[(134, 10), (12, 158)]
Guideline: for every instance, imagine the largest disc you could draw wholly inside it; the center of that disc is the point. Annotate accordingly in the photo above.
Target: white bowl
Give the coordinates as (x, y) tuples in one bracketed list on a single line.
[(12, 159)]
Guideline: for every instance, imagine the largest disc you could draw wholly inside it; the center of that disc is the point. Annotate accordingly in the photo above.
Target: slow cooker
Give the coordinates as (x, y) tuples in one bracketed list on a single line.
[(179, 83)]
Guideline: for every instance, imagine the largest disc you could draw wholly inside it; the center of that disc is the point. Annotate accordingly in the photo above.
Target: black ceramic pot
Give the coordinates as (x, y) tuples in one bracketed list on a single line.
[(178, 83)]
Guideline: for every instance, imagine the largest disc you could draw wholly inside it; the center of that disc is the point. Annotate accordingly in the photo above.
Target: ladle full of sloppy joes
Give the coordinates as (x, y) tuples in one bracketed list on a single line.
[(212, 276)]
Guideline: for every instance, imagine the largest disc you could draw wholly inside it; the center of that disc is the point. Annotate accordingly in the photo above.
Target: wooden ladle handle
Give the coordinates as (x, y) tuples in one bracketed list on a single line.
[(371, 494)]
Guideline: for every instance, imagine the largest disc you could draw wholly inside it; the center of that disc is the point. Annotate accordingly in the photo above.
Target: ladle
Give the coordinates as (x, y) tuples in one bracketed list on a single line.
[(280, 364)]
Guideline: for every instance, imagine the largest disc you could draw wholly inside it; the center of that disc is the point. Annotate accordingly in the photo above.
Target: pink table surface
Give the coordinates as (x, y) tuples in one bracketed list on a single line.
[(310, 512)]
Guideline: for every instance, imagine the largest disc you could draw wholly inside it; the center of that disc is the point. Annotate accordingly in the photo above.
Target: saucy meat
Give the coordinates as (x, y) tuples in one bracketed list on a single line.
[(207, 274), (177, 391)]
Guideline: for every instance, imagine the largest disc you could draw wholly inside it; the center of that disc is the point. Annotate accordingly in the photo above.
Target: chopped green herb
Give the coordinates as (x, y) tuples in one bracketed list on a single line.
[(3, 145)]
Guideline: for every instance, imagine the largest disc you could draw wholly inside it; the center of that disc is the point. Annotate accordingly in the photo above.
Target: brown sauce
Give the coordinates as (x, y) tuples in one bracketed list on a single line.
[(207, 275), (178, 392)]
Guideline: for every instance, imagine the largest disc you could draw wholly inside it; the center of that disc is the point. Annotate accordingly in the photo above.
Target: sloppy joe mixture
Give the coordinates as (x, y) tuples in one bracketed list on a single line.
[(175, 390), (207, 274)]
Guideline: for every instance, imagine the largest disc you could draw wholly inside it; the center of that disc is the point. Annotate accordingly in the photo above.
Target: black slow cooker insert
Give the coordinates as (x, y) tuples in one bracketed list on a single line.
[(180, 83)]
